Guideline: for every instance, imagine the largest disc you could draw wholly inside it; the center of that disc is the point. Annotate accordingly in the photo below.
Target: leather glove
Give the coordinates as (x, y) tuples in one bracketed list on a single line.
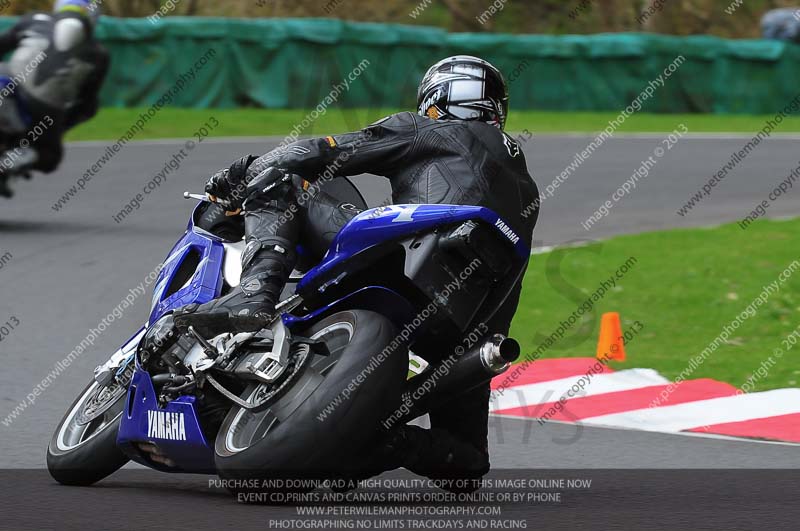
[(229, 187)]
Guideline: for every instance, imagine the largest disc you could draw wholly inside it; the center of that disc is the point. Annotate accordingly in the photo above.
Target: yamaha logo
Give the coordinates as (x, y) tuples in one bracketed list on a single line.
[(166, 425), (505, 229)]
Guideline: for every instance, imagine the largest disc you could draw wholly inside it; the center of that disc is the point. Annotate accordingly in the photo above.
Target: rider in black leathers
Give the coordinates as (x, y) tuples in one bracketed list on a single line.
[(453, 152), (56, 70)]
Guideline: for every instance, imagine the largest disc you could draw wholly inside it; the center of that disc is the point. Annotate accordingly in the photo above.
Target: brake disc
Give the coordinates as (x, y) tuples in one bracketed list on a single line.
[(104, 399)]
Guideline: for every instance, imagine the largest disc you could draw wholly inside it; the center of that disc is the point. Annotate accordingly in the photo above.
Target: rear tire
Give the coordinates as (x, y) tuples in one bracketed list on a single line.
[(316, 431), (81, 455)]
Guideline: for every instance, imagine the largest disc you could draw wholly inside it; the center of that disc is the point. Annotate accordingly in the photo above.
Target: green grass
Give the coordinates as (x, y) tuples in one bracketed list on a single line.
[(182, 123), (686, 286)]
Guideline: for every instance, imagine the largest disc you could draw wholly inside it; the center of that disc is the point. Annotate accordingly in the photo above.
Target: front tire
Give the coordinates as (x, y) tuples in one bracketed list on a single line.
[(82, 453), (324, 424)]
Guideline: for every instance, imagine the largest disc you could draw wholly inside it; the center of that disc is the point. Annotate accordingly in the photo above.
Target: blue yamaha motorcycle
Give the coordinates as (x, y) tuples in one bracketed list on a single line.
[(309, 394)]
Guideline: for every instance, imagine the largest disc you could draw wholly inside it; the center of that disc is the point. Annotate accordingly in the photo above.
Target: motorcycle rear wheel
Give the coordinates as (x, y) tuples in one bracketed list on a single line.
[(322, 426)]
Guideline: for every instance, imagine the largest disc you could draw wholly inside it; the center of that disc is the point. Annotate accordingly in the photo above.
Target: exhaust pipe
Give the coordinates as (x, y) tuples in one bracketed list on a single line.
[(499, 353), (448, 379)]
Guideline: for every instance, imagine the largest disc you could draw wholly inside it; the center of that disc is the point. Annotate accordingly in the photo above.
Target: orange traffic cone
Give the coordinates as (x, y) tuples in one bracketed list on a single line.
[(611, 345)]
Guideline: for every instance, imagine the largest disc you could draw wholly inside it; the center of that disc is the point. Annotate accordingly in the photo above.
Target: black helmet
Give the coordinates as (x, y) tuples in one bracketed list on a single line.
[(463, 87)]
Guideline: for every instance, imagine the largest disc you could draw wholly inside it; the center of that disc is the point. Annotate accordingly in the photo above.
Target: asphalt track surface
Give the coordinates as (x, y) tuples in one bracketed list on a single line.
[(67, 270)]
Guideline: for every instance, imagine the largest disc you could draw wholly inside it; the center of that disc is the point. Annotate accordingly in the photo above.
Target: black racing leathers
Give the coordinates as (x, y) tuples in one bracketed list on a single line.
[(426, 161), (57, 69)]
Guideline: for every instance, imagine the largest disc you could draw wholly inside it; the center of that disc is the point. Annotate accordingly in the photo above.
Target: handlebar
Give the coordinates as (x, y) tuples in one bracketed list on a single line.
[(196, 197), (205, 199)]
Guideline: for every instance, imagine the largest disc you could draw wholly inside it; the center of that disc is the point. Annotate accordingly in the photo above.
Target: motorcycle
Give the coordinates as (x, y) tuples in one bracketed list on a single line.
[(309, 394)]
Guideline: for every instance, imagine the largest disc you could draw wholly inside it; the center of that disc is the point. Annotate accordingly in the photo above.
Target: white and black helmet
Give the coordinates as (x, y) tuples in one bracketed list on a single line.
[(463, 87)]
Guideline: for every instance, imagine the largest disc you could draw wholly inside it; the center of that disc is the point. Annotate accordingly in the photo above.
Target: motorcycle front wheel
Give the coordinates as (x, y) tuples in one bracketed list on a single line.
[(84, 449)]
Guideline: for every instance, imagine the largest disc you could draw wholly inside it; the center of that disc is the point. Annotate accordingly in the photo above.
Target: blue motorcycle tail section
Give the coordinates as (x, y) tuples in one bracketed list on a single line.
[(380, 225)]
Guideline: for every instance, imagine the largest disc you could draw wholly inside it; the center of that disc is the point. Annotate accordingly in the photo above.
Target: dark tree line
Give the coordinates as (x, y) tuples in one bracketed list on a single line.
[(516, 16)]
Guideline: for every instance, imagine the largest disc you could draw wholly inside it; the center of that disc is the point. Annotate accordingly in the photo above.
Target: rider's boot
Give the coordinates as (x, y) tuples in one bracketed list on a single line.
[(266, 265), (434, 453), (16, 162)]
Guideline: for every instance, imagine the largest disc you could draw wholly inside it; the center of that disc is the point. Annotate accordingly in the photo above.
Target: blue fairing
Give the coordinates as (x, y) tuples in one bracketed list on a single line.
[(204, 286), (175, 429), (144, 421), (380, 225)]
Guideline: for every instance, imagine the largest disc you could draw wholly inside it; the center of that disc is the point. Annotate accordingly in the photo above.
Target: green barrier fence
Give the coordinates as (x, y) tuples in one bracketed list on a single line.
[(297, 63)]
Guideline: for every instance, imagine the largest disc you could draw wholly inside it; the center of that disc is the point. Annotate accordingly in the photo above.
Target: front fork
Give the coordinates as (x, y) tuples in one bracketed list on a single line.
[(116, 366)]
